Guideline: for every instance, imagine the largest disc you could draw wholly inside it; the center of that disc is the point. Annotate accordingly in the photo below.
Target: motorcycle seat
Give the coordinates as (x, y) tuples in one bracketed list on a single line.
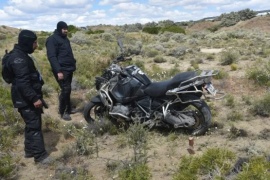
[(157, 89)]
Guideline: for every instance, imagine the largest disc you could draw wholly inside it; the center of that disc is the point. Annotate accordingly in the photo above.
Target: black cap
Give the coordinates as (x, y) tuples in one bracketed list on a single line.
[(61, 25), (26, 40)]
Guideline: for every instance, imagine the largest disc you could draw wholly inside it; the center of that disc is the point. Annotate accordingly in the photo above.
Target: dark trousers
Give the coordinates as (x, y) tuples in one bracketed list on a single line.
[(64, 97), (33, 142)]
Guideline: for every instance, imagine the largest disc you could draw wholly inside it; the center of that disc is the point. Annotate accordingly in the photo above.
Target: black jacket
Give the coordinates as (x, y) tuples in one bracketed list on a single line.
[(59, 53), (27, 84)]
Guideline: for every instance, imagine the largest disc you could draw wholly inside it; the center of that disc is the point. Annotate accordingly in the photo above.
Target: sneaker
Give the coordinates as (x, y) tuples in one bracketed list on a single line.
[(45, 161), (66, 117)]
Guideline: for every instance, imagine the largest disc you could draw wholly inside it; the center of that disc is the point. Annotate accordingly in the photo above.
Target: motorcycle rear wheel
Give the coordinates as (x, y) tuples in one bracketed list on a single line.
[(202, 115), (94, 111)]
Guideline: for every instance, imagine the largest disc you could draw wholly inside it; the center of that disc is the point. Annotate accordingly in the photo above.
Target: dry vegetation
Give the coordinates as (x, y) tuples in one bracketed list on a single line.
[(240, 128)]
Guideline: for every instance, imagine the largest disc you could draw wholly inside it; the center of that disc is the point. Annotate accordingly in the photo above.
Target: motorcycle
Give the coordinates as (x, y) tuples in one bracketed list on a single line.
[(127, 95)]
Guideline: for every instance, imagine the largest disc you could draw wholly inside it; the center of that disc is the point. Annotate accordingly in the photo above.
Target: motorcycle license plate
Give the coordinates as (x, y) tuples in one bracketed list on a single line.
[(211, 89)]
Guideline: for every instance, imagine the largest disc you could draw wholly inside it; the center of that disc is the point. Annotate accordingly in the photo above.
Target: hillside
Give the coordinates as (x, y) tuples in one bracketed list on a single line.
[(80, 153)]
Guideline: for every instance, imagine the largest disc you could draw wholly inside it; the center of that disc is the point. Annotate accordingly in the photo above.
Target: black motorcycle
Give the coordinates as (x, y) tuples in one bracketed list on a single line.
[(126, 94)]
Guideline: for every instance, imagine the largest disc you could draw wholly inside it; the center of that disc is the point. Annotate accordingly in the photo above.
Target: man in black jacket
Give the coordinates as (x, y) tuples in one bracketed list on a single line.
[(26, 91), (63, 65)]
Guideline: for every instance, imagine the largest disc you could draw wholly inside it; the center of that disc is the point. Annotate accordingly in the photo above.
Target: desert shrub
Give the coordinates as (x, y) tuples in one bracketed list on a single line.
[(233, 67), (137, 138), (159, 59), (259, 72), (108, 37), (247, 99), (80, 38), (179, 37), (7, 166), (84, 139), (136, 172), (214, 28), (229, 101), (80, 173), (95, 31), (237, 34), (72, 30), (209, 163), (41, 42), (210, 57), (131, 28), (151, 52), (173, 29), (228, 57), (235, 116), (234, 17), (151, 30), (221, 75), (235, 133), (134, 49), (256, 168), (261, 106), (177, 51)]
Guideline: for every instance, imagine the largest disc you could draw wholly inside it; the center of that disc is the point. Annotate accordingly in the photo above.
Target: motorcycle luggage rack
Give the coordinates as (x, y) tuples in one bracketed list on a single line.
[(204, 77)]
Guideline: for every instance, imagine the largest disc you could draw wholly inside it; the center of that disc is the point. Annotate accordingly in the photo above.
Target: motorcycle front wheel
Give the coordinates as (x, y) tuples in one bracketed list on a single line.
[(94, 111)]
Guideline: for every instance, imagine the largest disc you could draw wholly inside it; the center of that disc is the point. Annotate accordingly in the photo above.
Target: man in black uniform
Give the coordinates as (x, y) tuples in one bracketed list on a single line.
[(26, 91), (63, 65)]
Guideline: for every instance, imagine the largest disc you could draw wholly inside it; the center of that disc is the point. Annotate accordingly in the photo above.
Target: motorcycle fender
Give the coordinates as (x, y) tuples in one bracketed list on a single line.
[(96, 99)]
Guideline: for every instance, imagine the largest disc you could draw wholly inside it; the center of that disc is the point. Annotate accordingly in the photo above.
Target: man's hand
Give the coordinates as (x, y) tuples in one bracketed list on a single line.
[(38, 104), (60, 76)]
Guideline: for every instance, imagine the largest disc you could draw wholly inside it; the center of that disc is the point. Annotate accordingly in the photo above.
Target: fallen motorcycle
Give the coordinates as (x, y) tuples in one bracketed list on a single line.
[(127, 95)]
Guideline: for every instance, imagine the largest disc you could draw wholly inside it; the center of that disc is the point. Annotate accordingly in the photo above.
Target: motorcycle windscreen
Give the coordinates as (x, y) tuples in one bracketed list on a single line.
[(126, 90)]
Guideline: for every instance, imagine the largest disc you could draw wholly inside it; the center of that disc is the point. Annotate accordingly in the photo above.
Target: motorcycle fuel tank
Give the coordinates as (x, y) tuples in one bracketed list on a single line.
[(137, 73)]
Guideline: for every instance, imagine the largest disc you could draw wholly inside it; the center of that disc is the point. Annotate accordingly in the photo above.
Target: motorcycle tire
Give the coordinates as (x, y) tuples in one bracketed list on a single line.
[(93, 112), (202, 115)]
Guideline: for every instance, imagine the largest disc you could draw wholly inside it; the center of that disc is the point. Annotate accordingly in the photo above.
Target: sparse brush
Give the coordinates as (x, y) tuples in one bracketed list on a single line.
[(228, 57), (135, 172), (159, 59), (234, 67), (230, 101), (247, 99), (259, 72), (261, 106), (235, 133), (221, 74), (255, 168), (8, 167), (137, 139), (235, 116)]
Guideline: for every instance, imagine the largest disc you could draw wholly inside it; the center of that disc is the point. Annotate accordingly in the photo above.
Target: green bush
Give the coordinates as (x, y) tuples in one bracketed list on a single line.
[(95, 32), (7, 166), (257, 168), (151, 30), (260, 73), (137, 172), (159, 59), (228, 57), (174, 29), (210, 162)]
